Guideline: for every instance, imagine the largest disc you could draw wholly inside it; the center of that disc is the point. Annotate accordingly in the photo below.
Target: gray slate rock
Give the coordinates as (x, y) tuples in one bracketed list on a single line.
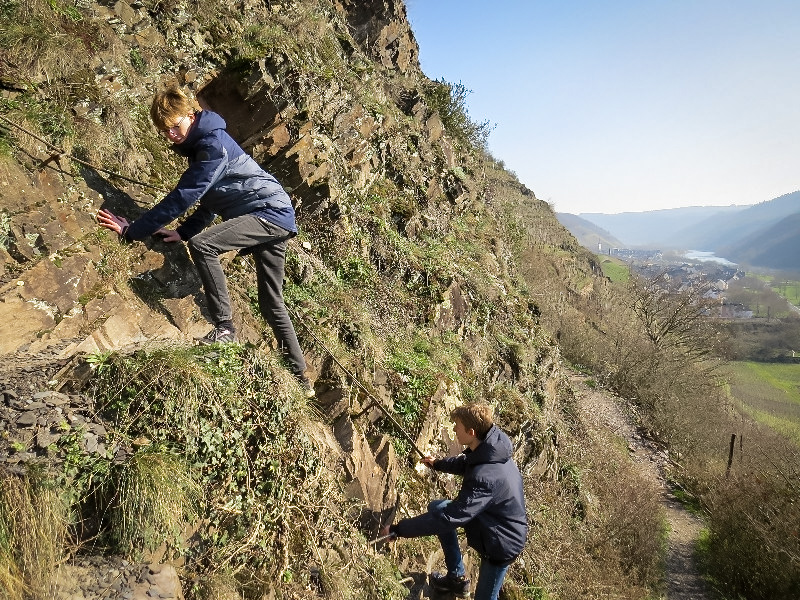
[(52, 398), (27, 419), (45, 439)]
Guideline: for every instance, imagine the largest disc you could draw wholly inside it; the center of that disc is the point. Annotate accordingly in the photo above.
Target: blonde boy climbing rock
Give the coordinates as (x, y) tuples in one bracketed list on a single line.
[(257, 214)]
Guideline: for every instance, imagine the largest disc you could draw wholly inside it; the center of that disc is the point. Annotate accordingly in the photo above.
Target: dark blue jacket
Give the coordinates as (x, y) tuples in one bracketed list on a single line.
[(222, 178), (490, 506)]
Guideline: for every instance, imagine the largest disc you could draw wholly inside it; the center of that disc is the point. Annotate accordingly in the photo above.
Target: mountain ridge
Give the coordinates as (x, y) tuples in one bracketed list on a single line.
[(589, 235), (753, 235), (654, 228)]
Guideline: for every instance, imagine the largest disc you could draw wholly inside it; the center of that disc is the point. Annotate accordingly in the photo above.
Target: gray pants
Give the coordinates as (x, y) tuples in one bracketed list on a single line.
[(267, 243)]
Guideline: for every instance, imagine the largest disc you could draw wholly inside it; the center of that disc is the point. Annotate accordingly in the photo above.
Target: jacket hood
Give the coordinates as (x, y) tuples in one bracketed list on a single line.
[(495, 448), (205, 121)]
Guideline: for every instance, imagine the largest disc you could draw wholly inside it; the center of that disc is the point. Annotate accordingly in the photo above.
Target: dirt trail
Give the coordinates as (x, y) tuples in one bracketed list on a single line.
[(599, 409)]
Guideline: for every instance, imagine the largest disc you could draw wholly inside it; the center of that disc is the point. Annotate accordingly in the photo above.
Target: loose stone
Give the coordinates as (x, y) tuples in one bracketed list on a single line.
[(27, 419)]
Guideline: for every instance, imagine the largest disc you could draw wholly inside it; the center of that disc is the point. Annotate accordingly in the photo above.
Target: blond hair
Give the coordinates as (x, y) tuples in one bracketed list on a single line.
[(168, 105), (477, 416)]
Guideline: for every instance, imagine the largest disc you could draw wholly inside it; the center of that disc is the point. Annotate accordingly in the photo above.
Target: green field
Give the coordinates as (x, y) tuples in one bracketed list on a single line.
[(786, 288), (789, 290), (615, 269), (769, 393)]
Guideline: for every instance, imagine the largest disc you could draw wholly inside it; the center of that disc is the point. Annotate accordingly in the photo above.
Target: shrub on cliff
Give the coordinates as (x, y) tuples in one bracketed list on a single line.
[(33, 528), (450, 101), (753, 544), (217, 458)]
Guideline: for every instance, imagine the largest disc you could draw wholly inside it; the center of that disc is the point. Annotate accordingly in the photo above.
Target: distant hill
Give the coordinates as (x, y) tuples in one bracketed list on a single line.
[(724, 233), (775, 247), (588, 234), (658, 228), (766, 234)]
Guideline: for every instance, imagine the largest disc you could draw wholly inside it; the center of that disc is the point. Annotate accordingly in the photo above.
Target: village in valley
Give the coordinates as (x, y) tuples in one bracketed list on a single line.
[(720, 280)]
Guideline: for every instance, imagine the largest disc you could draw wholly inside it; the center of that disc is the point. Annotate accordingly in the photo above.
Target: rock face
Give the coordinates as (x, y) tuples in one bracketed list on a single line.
[(62, 290), (59, 286), (372, 471), (71, 290), (381, 26)]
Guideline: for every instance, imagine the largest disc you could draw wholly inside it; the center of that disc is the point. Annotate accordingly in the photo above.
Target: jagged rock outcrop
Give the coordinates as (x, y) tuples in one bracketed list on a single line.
[(381, 27), (61, 291)]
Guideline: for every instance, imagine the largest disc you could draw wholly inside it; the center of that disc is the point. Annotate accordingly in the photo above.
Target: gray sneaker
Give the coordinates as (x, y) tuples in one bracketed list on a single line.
[(218, 335), (305, 385)]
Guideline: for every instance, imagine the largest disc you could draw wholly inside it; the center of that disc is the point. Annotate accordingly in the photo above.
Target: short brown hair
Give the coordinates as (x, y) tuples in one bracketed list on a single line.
[(477, 416), (168, 105)]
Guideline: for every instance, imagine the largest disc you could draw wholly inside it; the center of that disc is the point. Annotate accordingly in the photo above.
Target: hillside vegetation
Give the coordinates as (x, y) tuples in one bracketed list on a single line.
[(425, 275)]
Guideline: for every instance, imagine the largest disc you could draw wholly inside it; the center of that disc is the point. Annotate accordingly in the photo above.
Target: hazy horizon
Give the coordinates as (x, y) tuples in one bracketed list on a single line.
[(591, 212)]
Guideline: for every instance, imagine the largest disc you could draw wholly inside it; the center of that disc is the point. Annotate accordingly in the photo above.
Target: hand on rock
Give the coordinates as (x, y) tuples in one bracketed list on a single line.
[(168, 235), (110, 221)]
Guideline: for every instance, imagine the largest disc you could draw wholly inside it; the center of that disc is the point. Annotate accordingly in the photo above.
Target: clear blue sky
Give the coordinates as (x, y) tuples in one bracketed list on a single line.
[(628, 105)]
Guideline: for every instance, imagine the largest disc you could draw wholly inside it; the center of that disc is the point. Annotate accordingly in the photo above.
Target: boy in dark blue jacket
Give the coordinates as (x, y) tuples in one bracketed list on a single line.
[(257, 213), (490, 506)]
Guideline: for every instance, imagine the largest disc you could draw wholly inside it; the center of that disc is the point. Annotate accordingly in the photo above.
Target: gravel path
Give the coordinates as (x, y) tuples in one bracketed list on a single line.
[(600, 409)]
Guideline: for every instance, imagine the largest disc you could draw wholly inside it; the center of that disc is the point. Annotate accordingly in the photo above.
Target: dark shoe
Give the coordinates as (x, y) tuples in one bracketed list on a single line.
[(218, 335), (450, 583)]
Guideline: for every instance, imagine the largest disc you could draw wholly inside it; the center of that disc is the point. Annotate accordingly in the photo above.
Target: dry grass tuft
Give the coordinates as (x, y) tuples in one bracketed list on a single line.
[(10, 576), (156, 497), (33, 45), (33, 527), (220, 585)]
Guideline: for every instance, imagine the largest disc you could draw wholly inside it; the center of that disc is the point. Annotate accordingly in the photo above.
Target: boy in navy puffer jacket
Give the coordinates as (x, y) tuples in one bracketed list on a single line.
[(490, 506), (258, 219)]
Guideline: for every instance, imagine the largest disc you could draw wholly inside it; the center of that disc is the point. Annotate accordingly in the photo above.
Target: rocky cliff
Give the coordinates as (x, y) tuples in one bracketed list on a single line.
[(409, 282)]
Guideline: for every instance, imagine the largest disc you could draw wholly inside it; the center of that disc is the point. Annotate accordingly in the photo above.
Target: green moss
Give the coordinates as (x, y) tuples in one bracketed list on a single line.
[(418, 376), (65, 10), (138, 62), (355, 271)]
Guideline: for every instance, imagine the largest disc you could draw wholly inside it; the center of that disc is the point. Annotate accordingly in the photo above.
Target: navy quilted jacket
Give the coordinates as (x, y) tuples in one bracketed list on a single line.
[(221, 177)]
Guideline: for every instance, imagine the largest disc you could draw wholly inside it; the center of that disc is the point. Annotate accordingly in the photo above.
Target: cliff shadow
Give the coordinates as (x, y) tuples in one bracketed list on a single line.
[(175, 278)]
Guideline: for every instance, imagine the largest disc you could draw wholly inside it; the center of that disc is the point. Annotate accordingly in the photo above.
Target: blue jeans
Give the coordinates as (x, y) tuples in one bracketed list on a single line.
[(490, 576), (490, 579), (267, 243)]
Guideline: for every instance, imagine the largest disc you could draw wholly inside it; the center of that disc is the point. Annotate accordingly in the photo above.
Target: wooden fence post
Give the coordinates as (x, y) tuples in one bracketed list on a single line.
[(730, 455)]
